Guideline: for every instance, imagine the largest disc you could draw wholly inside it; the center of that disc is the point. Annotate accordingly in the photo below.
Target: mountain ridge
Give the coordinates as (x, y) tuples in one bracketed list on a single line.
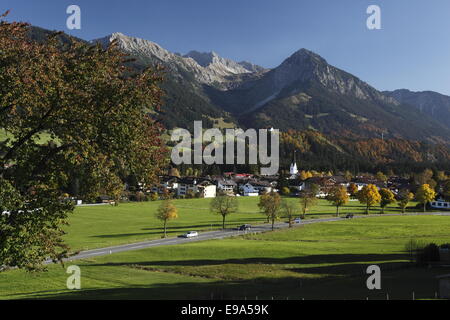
[(303, 93), (432, 103), (353, 127)]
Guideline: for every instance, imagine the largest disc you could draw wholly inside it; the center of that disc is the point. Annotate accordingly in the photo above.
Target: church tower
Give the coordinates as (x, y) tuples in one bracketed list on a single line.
[(293, 170)]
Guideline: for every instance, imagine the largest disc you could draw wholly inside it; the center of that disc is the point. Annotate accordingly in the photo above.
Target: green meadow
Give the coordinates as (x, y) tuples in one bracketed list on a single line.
[(102, 226), (317, 261)]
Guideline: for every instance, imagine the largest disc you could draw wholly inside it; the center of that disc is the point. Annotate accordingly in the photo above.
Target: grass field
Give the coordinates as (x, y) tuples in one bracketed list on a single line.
[(317, 261), (101, 226)]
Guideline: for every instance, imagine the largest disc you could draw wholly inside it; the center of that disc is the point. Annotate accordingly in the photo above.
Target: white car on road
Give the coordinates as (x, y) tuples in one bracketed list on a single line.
[(190, 234)]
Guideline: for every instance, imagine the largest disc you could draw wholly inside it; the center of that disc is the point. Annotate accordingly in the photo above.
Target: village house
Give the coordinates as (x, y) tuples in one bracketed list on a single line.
[(263, 186), (248, 190), (362, 181), (395, 184), (226, 186), (297, 185), (205, 187), (167, 183), (440, 204), (325, 184)]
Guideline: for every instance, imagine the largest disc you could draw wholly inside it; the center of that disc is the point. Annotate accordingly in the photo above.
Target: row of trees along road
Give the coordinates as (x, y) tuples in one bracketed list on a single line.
[(274, 206), (93, 113), (271, 203)]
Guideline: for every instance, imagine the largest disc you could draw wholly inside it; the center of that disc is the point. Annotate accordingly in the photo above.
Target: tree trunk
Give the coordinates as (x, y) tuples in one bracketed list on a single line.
[(165, 223), (223, 222), (273, 222), (337, 211), (367, 209), (425, 207)]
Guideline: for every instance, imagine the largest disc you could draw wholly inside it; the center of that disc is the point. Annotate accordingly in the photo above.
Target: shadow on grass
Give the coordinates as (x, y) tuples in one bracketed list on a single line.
[(344, 278), (399, 286), (334, 264), (185, 291)]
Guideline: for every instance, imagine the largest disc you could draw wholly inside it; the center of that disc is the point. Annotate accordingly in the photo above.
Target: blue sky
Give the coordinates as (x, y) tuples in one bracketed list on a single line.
[(411, 51)]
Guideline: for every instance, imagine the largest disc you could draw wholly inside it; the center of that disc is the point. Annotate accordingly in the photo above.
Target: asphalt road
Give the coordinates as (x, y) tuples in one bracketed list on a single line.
[(219, 234)]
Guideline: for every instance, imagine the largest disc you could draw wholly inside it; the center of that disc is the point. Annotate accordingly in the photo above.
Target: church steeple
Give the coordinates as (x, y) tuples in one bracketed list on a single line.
[(293, 170)]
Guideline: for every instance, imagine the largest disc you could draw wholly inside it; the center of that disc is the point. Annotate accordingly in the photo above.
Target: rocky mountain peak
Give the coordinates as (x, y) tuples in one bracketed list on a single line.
[(203, 58), (252, 67), (215, 63), (304, 55), (137, 46), (207, 67)]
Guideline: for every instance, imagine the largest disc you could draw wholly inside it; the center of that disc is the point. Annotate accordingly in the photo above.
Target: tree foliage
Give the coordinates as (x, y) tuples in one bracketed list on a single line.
[(224, 205), (270, 204), (308, 198), (446, 190), (369, 196), (338, 196), (352, 189), (403, 199), (425, 194), (166, 212), (70, 111), (387, 197), (290, 210)]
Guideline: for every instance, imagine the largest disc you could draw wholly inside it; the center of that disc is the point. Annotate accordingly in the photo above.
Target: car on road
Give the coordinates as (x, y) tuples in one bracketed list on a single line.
[(349, 216), (297, 220), (190, 234), (244, 227)]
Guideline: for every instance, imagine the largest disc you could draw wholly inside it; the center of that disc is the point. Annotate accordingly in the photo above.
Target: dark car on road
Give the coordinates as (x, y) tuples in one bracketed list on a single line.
[(244, 227)]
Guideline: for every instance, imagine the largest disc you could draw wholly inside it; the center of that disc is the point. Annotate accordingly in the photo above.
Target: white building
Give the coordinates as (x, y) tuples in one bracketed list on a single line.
[(208, 191), (293, 170), (197, 185), (440, 204)]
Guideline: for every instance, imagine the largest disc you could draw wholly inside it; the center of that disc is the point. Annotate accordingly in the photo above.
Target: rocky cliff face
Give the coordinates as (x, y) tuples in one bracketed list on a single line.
[(207, 68), (216, 64)]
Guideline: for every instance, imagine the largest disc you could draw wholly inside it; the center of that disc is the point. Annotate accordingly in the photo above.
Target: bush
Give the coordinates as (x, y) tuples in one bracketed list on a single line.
[(285, 191), (429, 253), (422, 253), (190, 194), (154, 196), (140, 196)]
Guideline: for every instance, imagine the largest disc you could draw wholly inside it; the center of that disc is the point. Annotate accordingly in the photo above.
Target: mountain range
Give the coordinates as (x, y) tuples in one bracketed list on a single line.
[(337, 111), (303, 93), (430, 103)]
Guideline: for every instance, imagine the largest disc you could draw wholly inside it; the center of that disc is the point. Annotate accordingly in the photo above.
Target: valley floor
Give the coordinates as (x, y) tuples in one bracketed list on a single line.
[(317, 261)]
